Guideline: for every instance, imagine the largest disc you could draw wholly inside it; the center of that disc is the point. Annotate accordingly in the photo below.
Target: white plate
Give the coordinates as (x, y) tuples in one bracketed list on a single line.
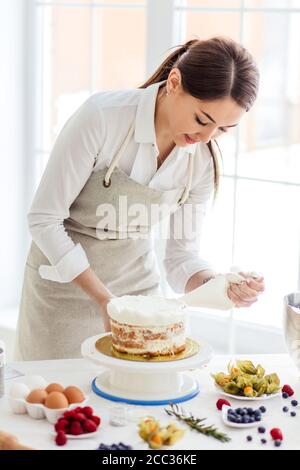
[(88, 435), (237, 425), (238, 397)]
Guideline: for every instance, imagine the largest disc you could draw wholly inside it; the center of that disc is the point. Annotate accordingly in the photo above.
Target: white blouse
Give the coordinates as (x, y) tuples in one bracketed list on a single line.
[(86, 144)]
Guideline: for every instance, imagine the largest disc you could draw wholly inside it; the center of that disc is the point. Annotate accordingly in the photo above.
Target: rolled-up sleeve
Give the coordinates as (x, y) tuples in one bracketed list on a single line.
[(182, 255), (70, 164)]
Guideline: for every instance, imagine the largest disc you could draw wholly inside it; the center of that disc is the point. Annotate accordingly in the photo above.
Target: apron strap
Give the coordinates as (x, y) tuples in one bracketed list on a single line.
[(184, 196), (117, 157)]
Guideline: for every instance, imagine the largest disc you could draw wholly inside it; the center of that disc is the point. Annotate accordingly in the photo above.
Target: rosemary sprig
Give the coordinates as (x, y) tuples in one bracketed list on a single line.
[(196, 423)]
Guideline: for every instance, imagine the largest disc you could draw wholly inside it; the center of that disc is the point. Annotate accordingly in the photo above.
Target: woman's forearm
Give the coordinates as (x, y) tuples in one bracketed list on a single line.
[(89, 282), (198, 278)]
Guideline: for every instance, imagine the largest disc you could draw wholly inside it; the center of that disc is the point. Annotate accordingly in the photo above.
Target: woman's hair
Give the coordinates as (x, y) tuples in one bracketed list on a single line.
[(212, 69)]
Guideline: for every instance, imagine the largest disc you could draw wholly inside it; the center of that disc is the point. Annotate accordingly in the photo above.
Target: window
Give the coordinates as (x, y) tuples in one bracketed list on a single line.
[(86, 46), (255, 222)]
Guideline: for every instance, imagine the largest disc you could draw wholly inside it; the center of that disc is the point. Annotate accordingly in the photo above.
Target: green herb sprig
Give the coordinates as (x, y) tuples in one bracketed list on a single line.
[(196, 423)]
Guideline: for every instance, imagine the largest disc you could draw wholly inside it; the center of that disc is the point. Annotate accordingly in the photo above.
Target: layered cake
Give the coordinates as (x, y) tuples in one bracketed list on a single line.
[(147, 326)]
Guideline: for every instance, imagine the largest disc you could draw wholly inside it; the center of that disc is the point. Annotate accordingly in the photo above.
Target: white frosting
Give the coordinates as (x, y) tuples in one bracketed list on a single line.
[(142, 310)]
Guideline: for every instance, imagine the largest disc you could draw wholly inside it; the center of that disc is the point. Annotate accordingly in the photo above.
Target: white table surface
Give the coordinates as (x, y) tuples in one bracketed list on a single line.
[(80, 372)]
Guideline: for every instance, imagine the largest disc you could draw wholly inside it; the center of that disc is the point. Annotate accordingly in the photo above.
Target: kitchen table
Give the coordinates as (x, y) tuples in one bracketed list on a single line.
[(81, 372)]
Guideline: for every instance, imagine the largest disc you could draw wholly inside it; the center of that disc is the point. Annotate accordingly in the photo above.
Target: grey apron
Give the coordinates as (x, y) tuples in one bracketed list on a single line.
[(55, 318)]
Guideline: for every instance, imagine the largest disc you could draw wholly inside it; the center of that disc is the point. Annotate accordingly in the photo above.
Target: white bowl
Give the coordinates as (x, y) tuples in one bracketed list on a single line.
[(244, 398), (226, 421)]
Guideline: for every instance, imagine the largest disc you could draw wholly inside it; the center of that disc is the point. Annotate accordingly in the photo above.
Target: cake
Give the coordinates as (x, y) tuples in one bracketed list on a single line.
[(147, 326)]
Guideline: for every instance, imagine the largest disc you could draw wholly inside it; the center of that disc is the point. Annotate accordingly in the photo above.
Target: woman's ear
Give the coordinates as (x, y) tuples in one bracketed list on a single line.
[(174, 81)]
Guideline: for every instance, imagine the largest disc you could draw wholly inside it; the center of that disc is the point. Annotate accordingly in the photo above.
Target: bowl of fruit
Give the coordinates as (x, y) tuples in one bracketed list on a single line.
[(244, 381)]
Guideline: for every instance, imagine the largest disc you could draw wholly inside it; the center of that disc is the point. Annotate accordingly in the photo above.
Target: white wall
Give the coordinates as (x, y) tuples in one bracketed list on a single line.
[(12, 150)]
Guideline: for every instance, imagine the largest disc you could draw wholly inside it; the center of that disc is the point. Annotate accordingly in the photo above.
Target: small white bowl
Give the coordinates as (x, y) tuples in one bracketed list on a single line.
[(244, 398), (226, 421), (35, 410), (88, 435), (17, 405)]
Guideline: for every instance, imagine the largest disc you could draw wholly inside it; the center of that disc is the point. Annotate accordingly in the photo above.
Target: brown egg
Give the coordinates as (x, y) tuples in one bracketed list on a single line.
[(55, 388), (37, 395), (73, 394), (56, 401)]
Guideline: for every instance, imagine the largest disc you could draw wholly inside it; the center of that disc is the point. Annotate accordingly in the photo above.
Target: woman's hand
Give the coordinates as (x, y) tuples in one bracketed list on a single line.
[(104, 315), (10, 442), (91, 284), (246, 293)]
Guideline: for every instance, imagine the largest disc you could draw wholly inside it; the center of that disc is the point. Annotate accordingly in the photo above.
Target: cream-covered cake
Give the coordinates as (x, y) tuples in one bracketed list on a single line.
[(147, 326)]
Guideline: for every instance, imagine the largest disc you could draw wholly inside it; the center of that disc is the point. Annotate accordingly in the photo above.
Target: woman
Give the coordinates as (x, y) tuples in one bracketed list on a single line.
[(121, 151)]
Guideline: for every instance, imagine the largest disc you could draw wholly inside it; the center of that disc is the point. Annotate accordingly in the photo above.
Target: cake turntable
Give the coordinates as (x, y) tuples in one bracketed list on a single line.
[(147, 382)]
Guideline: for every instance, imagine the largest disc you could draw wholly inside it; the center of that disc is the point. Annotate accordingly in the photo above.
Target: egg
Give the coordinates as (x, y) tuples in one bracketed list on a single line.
[(19, 390), (73, 394), (56, 400), (36, 381), (37, 395), (55, 388)]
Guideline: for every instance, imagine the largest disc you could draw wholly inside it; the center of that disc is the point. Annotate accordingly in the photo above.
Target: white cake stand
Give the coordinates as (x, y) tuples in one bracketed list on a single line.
[(145, 383)]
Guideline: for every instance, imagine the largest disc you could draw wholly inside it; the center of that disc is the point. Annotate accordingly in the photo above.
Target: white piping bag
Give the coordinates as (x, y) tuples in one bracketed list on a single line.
[(213, 294)]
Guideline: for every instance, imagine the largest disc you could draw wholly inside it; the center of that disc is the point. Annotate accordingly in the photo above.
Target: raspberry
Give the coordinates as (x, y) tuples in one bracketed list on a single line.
[(220, 403), (78, 409), (276, 434), (76, 428), (288, 389), (96, 420), (89, 426), (61, 438), (70, 414), (61, 425), (79, 417), (87, 411)]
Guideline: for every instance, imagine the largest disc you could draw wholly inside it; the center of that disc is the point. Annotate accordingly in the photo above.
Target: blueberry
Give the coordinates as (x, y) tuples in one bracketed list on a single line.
[(261, 430), (252, 419), (263, 441), (102, 447), (246, 419), (277, 443), (231, 419), (294, 403), (285, 409), (238, 411), (257, 418), (239, 420), (250, 411), (257, 413), (124, 447), (243, 413), (263, 409), (285, 395), (249, 438), (293, 414)]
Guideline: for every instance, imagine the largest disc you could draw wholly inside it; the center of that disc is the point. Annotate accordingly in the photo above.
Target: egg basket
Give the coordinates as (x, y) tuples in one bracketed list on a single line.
[(39, 411)]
